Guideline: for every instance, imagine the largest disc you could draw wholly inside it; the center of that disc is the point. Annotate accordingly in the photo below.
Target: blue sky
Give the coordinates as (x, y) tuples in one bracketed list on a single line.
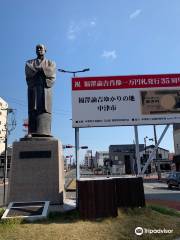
[(111, 37)]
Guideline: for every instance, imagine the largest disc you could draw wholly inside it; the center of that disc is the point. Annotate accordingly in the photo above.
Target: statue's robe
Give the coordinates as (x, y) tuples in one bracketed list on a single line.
[(40, 76)]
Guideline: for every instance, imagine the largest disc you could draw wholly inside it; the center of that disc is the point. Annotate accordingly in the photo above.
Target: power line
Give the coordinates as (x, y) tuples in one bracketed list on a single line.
[(22, 104)]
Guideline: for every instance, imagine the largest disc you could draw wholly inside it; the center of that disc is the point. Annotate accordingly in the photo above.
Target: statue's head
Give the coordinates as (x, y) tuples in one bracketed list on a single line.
[(40, 50)]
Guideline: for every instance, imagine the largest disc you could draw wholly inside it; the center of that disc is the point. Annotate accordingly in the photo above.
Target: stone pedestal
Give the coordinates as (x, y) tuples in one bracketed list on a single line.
[(37, 171)]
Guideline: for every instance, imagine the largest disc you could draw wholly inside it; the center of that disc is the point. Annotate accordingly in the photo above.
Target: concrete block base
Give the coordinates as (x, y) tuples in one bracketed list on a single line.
[(37, 171)]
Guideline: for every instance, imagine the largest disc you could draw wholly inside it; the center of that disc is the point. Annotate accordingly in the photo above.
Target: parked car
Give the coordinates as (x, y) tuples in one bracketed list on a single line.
[(173, 180)]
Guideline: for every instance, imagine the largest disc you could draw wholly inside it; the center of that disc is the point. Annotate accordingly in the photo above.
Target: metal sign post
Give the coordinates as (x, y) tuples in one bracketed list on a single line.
[(137, 149), (77, 161), (153, 153), (77, 153)]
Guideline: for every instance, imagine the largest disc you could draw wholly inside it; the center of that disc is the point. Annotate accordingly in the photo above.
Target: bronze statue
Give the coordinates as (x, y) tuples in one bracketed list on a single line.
[(40, 76)]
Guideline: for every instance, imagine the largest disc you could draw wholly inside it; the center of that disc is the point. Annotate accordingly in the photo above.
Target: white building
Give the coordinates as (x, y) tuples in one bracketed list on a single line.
[(161, 158), (89, 159), (3, 119), (162, 153), (101, 156)]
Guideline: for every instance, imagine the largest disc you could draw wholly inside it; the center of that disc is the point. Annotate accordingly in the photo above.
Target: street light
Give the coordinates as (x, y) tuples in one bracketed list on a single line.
[(73, 72), (76, 132), (76, 129), (145, 144)]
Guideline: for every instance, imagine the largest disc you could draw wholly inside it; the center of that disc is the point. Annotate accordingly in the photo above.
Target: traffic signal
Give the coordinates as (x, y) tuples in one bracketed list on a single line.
[(68, 146), (84, 147)]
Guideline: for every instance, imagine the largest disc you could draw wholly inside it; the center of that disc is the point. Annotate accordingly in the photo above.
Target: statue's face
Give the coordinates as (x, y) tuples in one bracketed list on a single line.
[(40, 50)]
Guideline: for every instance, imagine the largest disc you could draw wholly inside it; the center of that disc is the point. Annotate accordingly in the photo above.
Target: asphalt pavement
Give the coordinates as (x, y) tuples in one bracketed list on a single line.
[(157, 193), (154, 190), (159, 190)]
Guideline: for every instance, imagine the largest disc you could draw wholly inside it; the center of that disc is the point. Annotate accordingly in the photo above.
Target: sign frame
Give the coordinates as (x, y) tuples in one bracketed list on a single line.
[(125, 100)]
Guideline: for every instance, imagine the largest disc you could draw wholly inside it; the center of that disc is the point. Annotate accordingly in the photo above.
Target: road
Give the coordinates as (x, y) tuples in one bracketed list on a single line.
[(153, 190), (69, 176), (160, 191)]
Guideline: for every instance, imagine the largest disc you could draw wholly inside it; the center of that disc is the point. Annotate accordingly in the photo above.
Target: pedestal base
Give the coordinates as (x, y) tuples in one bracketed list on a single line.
[(37, 172)]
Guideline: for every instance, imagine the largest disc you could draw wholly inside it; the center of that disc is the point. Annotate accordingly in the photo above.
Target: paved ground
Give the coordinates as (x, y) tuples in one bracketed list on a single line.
[(156, 192), (69, 176)]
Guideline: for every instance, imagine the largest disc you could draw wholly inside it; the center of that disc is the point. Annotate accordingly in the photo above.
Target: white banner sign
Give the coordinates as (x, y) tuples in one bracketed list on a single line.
[(126, 100)]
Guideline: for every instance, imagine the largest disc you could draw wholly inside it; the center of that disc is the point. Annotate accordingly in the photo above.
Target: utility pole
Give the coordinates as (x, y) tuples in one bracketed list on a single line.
[(76, 129), (5, 156), (7, 132)]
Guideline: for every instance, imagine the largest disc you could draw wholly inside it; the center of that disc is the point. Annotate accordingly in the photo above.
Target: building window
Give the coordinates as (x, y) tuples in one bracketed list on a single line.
[(115, 157)]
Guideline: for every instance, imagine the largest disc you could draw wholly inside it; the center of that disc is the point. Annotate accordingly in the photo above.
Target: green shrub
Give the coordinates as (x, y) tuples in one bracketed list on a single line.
[(164, 210)]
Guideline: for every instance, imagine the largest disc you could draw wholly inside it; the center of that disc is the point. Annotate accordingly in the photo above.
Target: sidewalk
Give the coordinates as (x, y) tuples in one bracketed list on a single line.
[(154, 177)]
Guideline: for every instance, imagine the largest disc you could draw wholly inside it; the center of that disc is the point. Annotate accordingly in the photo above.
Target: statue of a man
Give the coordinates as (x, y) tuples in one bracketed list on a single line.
[(40, 76)]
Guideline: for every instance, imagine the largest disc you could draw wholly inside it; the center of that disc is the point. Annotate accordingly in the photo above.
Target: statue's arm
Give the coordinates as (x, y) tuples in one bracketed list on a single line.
[(30, 70), (49, 68)]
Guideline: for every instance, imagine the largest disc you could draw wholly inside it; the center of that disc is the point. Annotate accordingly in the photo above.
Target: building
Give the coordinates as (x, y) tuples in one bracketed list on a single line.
[(162, 158), (2, 161), (89, 160), (101, 157), (176, 135), (123, 158), (3, 120)]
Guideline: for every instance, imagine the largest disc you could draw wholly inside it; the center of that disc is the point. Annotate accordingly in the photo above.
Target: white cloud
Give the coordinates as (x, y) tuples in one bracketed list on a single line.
[(93, 23), (109, 54), (75, 28), (135, 14)]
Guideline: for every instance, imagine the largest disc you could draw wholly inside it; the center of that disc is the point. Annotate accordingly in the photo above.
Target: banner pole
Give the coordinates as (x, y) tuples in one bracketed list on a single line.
[(77, 162), (137, 149)]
